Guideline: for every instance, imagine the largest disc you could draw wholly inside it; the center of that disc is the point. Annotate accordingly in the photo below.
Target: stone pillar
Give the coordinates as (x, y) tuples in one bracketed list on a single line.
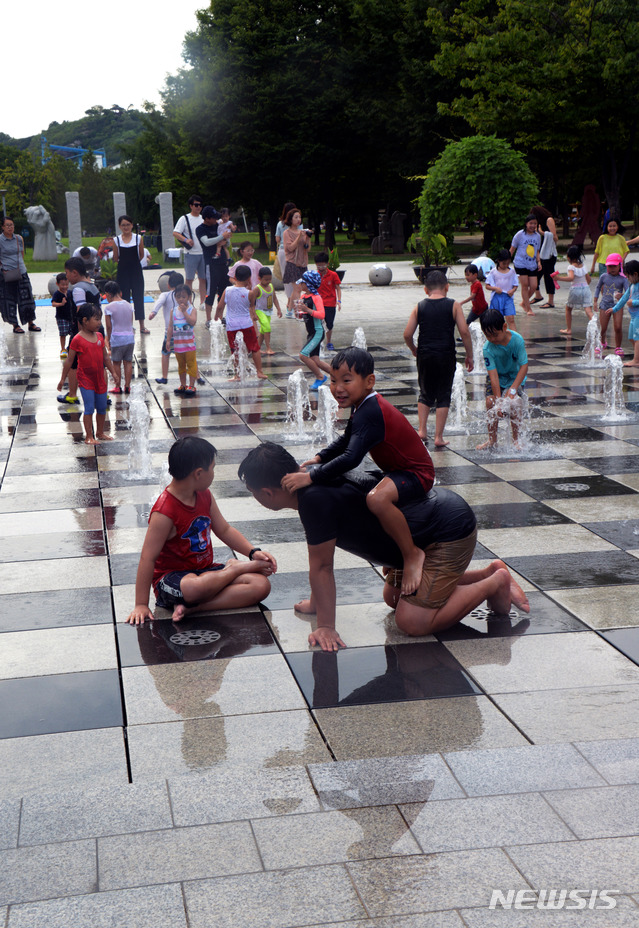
[(165, 202), (119, 209), (73, 219)]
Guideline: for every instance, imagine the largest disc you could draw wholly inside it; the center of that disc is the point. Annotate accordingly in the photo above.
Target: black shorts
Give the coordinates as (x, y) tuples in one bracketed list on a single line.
[(526, 271), (409, 486), (168, 591), (435, 374), (329, 316)]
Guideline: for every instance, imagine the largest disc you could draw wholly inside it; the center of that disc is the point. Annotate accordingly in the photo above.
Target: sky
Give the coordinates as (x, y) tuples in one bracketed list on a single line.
[(125, 50)]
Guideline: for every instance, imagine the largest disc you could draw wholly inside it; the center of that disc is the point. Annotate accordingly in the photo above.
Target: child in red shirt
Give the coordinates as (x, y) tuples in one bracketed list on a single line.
[(331, 294), (177, 554), (476, 297), (89, 347)]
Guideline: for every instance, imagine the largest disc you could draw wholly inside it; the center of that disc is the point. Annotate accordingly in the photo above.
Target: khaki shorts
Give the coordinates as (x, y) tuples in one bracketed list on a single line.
[(444, 564)]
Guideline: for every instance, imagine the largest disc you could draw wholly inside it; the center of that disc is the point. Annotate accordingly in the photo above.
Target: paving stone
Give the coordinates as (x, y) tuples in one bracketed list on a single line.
[(27, 874), (178, 854), (82, 813), (616, 761), (9, 822), (623, 915), (151, 907), (598, 813), (609, 863)]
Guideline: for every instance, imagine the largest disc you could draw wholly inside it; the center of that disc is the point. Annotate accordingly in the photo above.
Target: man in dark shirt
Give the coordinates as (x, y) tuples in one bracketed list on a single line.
[(333, 516), (217, 278)]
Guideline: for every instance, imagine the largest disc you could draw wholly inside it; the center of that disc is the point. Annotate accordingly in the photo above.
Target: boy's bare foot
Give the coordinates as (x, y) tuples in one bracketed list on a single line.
[(565, 332), (90, 440), (305, 607), (178, 613), (423, 437), (485, 445), (631, 363), (104, 437), (269, 352), (412, 575), (263, 376), (440, 443), (529, 312), (517, 595)]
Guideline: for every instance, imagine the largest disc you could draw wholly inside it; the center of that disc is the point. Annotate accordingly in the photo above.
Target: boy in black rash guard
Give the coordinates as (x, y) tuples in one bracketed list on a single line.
[(375, 426), (442, 524)]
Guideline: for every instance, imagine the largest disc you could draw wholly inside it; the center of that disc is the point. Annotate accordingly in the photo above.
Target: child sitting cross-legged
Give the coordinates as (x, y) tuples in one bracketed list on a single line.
[(177, 554), (375, 426)]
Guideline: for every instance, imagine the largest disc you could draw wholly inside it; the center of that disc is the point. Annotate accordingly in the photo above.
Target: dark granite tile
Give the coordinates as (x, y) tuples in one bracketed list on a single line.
[(121, 478), (539, 449), (586, 569), (61, 702), (65, 499), (196, 638), (360, 585), (570, 487), (209, 432), (50, 463), (44, 547), (393, 673), (572, 434), (546, 617), (625, 640), (124, 566), (615, 464), (272, 531), (156, 446), (512, 515), (55, 609), (624, 534), (465, 473), (132, 515)]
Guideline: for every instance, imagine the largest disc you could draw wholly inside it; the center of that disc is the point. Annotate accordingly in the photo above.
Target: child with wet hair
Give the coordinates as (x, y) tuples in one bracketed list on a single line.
[(507, 368), (177, 554)]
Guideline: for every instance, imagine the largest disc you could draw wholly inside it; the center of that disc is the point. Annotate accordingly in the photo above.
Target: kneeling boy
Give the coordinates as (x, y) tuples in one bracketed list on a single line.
[(177, 554), (507, 367)]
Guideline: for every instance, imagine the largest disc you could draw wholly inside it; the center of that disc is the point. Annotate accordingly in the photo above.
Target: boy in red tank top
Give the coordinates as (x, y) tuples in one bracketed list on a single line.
[(177, 554)]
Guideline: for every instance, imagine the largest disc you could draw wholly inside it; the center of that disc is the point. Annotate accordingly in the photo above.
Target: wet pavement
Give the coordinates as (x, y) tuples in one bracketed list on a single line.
[(220, 772)]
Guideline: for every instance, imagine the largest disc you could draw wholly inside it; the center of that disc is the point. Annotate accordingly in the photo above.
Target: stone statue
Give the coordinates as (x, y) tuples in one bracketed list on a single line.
[(44, 248)]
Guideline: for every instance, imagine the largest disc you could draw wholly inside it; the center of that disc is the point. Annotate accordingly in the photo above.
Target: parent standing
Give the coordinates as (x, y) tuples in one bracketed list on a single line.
[(279, 241), (297, 242), (525, 248), (547, 227), (128, 251), (185, 233), (217, 277), (16, 295)]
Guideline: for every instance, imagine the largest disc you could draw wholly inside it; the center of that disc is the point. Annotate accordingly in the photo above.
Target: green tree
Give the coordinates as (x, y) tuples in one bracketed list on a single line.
[(480, 178), (554, 77)]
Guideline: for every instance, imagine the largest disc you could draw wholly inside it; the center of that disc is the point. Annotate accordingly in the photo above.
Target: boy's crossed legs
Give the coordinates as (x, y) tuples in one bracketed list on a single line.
[(233, 585)]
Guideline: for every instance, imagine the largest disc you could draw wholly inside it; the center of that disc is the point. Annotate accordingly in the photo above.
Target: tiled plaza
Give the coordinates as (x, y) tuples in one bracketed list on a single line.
[(221, 774)]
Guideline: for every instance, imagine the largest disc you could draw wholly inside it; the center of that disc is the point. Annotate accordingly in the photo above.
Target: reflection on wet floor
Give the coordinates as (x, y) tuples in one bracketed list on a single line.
[(214, 688)]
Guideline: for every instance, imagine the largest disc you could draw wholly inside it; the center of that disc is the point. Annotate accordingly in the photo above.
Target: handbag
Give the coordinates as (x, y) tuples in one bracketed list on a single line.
[(277, 268), (14, 273)]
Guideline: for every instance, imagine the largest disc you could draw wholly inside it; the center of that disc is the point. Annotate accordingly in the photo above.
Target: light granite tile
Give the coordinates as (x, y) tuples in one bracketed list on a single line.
[(28, 874), (151, 907), (605, 862), (423, 920), (416, 727), (588, 713), (543, 539), (168, 692), (331, 837), (596, 509), (382, 781), (196, 745), (57, 650), (178, 854), (78, 812), (623, 915), (420, 884), (537, 470), (263, 900), (482, 494), (522, 769), (544, 662), (55, 520), (241, 792), (616, 761), (487, 821), (60, 574), (9, 822), (610, 812), (601, 607)]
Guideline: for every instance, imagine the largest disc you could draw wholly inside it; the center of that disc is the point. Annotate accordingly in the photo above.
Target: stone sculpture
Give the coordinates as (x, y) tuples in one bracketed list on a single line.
[(44, 248)]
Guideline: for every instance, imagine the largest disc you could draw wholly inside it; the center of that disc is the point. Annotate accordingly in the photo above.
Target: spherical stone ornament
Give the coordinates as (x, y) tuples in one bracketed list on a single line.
[(163, 281), (380, 275), (52, 285)]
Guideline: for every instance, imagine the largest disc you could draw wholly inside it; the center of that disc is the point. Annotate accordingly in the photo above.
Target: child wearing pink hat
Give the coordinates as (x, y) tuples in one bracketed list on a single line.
[(611, 286)]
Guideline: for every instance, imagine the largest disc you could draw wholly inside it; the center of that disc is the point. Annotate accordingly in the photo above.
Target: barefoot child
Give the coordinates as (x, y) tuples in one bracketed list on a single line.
[(436, 318), (177, 554), (631, 296), (377, 427), (120, 335), (240, 316), (507, 367), (262, 299), (166, 303), (503, 282), (330, 291), (62, 308), (90, 349), (309, 306), (579, 279), (611, 286), (476, 298), (181, 335)]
